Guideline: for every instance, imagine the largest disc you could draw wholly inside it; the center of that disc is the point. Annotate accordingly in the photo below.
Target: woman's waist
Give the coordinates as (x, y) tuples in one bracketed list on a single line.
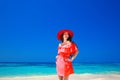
[(64, 56)]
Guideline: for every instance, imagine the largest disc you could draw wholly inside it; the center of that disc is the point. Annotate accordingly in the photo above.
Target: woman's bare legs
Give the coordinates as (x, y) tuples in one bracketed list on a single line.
[(65, 78), (60, 77)]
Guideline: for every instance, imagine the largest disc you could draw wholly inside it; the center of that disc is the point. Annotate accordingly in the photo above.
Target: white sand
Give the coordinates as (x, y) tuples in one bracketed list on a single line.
[(72, 77)]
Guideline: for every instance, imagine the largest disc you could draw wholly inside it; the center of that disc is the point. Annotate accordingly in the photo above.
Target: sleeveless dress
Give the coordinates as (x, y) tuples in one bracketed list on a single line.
[(63, 66)]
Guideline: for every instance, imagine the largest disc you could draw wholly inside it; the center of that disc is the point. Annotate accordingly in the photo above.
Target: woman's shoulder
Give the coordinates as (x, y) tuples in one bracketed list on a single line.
[(74, 44), (64, 44), (60, 44)]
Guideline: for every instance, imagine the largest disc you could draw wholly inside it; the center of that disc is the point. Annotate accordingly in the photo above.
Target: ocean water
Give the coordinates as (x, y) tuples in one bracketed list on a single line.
[(27, 69)]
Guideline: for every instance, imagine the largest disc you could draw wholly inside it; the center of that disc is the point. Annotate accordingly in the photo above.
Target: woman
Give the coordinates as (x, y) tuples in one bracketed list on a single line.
[(67, 51)]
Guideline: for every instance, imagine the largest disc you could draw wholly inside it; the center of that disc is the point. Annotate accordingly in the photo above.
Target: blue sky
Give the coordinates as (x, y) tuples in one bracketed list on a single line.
[(28, 29)]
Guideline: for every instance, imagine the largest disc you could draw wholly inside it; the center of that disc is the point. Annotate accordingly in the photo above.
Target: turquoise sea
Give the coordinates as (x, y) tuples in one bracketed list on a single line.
[(35, 68)]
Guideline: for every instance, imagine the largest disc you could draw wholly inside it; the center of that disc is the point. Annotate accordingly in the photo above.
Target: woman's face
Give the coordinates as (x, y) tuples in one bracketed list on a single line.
[(65, 35)]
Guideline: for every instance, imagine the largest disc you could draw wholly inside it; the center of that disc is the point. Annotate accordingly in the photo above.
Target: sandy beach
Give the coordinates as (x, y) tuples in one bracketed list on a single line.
[(72, 77)]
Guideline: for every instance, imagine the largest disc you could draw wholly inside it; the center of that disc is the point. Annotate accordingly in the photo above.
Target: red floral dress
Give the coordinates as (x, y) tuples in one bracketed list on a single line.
[(63, 66)]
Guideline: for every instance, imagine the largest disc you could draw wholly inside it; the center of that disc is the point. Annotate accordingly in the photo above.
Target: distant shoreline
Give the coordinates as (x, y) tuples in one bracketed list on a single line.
[(73, 62)]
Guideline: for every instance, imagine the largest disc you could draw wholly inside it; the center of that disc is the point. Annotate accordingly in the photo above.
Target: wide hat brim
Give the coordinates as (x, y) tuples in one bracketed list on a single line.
[(63, 31)]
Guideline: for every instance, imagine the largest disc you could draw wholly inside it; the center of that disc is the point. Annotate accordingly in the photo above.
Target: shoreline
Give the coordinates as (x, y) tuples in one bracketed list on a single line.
[(85, 76)]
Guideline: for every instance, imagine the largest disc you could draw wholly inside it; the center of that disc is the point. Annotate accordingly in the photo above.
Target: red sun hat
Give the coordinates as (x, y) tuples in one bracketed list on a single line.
[(63, 31)]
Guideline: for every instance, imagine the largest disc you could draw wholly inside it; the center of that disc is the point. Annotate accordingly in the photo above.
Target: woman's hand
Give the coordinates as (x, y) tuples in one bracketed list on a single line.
[(73, 57), (68, 60)]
